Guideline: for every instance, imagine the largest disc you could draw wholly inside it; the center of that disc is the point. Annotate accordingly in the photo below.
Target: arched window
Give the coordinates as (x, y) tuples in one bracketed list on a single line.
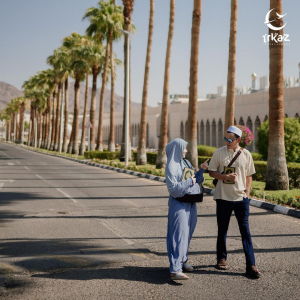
[(220, 133), (266, 118), (286, 115), (241, 122), (214, 133), (256, 126), (202, 142), (296, 115), (250, 126), (185, 132), (181, 130), (234, 122), (207, 133), (198, 134), (147, 136)]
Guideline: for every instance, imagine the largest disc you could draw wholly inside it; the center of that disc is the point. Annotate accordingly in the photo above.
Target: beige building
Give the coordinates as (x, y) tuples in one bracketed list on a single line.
[(250, 110)]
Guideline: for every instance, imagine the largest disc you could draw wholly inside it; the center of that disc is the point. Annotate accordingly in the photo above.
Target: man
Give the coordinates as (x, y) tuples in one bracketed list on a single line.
[(232, 194)]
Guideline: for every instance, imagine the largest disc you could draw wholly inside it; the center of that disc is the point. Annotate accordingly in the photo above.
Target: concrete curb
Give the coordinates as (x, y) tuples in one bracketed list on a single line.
[(253, 202), (267, 205)]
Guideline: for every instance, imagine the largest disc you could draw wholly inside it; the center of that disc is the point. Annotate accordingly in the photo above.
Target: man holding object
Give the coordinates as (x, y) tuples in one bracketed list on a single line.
[(232, 194)]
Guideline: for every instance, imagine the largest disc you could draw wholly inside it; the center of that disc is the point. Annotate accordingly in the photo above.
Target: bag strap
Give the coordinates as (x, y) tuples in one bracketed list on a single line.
[(235, 157), (185, 162)]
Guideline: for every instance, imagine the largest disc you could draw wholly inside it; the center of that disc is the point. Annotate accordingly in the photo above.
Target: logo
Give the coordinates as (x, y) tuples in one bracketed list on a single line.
[(268, 22), (274, 38)]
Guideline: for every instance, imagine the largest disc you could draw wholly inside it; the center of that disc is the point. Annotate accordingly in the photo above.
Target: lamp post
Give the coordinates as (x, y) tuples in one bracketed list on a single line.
[(61, 119), (127, 35)]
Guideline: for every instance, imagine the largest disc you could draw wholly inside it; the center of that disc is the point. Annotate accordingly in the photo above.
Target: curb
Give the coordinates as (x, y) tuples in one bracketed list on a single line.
[(253, 202), (268, 206)]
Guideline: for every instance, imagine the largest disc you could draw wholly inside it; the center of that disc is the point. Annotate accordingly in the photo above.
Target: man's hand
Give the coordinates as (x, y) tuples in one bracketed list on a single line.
[(204, 165), (232, 177)]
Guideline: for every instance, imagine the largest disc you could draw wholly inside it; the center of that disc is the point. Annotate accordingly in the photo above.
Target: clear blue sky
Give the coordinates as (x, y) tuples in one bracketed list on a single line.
[(32, 29)]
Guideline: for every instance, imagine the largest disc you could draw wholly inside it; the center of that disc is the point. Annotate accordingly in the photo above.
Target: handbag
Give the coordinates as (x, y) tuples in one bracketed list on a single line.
[(187, 173), (215, 181)]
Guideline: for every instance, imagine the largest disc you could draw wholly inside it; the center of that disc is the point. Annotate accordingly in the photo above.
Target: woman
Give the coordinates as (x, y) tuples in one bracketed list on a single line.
[(182, 216)]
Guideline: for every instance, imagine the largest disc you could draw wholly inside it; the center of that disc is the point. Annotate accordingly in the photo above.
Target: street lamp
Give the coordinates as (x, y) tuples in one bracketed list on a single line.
[(61, 119), (127, 35)]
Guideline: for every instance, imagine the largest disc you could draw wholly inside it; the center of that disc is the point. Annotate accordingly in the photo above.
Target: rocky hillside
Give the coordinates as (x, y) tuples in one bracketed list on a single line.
[(8, 92)]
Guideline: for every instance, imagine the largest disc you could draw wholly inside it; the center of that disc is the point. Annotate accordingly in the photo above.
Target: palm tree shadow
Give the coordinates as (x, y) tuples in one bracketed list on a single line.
[(152, 275), (201, 270)]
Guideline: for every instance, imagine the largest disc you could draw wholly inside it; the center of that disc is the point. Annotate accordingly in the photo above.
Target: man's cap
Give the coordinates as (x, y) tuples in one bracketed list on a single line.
[(235, 130)]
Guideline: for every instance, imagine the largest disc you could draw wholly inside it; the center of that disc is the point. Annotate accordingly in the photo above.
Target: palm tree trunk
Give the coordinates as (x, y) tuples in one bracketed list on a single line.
[(229, 110), (7, 130), (17, 128), (111, 139), (57, 118), (39, 128), (32, 125), (277, 175), (64, 147), (163, 138), (141, 158), (53, 119), (82, 144), (93, 107), (192, 153), (76, 115), (99, 145)]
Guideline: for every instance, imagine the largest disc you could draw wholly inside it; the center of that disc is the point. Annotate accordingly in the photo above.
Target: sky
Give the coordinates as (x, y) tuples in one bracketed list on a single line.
[(32, 29)]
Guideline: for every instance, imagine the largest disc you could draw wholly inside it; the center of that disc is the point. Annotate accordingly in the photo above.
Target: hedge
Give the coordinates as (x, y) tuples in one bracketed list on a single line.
[(101, 155), (260, 166)]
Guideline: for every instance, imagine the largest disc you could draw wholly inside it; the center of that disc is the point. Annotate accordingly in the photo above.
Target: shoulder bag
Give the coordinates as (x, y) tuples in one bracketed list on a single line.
[(215, 181)]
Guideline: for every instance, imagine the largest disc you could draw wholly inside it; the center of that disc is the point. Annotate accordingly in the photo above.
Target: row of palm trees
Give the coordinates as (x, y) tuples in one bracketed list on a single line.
[(81, 56)]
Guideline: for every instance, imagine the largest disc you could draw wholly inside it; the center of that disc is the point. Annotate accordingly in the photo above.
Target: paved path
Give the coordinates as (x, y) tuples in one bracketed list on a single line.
[(71, 231)]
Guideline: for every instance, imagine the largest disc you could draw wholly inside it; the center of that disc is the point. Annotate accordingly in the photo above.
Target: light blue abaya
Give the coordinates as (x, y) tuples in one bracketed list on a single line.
[(182, 217)]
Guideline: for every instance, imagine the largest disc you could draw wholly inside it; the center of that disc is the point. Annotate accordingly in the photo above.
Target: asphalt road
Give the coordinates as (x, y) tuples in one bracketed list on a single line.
[(72, 231)]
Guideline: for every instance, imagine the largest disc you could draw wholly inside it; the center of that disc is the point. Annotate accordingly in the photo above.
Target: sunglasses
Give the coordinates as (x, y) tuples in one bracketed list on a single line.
[(229, 140)]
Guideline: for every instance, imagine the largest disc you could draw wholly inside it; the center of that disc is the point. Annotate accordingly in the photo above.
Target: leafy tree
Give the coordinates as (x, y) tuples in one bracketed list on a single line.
[(291, 138)]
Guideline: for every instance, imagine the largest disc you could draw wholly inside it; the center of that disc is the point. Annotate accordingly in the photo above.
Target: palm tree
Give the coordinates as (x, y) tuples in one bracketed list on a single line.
[(163, 138), (192, 153), (104, 23), (79, 67), (141, 158), (277, 175), (229, 110)]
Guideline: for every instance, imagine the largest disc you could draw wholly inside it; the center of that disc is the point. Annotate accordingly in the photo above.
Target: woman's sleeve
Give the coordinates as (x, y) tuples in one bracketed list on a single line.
[(199, 176), (177, 189)]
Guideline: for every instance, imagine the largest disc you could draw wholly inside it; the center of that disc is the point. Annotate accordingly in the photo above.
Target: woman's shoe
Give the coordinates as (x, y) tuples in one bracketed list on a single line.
[(179, 276), (187, 267)]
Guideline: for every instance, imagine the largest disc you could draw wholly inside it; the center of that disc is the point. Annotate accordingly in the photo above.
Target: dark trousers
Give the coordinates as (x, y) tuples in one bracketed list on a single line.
[(241, 210)]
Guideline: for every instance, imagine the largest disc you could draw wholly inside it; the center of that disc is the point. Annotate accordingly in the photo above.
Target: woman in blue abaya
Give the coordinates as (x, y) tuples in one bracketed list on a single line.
[(182, 216)]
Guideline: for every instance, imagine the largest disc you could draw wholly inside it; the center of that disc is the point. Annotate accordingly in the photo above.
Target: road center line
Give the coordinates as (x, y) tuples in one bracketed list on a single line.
[(129, 242), (66, 195)]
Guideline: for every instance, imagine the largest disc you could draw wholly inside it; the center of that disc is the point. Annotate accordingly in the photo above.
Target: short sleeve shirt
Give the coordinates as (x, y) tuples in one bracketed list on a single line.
[(243, 167)]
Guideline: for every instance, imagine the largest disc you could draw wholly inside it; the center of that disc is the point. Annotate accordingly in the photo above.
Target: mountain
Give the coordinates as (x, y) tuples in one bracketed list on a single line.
[(9, 92)]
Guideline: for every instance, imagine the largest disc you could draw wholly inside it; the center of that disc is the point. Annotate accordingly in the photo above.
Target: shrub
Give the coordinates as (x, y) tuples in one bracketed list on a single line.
[(247, 136), (206, 150), (256, 156), (101, 155), (291, 138), (151, 157)]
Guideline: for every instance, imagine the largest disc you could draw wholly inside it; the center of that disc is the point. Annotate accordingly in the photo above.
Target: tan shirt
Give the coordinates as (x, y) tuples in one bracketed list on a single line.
[(244, 167)]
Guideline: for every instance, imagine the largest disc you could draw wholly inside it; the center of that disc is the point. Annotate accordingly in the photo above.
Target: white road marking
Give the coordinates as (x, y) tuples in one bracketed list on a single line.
[(10, 164), (129, 242), (27, 168), (10, 180), (66, 195), (1, 185), (18, 162), (129, 202)]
